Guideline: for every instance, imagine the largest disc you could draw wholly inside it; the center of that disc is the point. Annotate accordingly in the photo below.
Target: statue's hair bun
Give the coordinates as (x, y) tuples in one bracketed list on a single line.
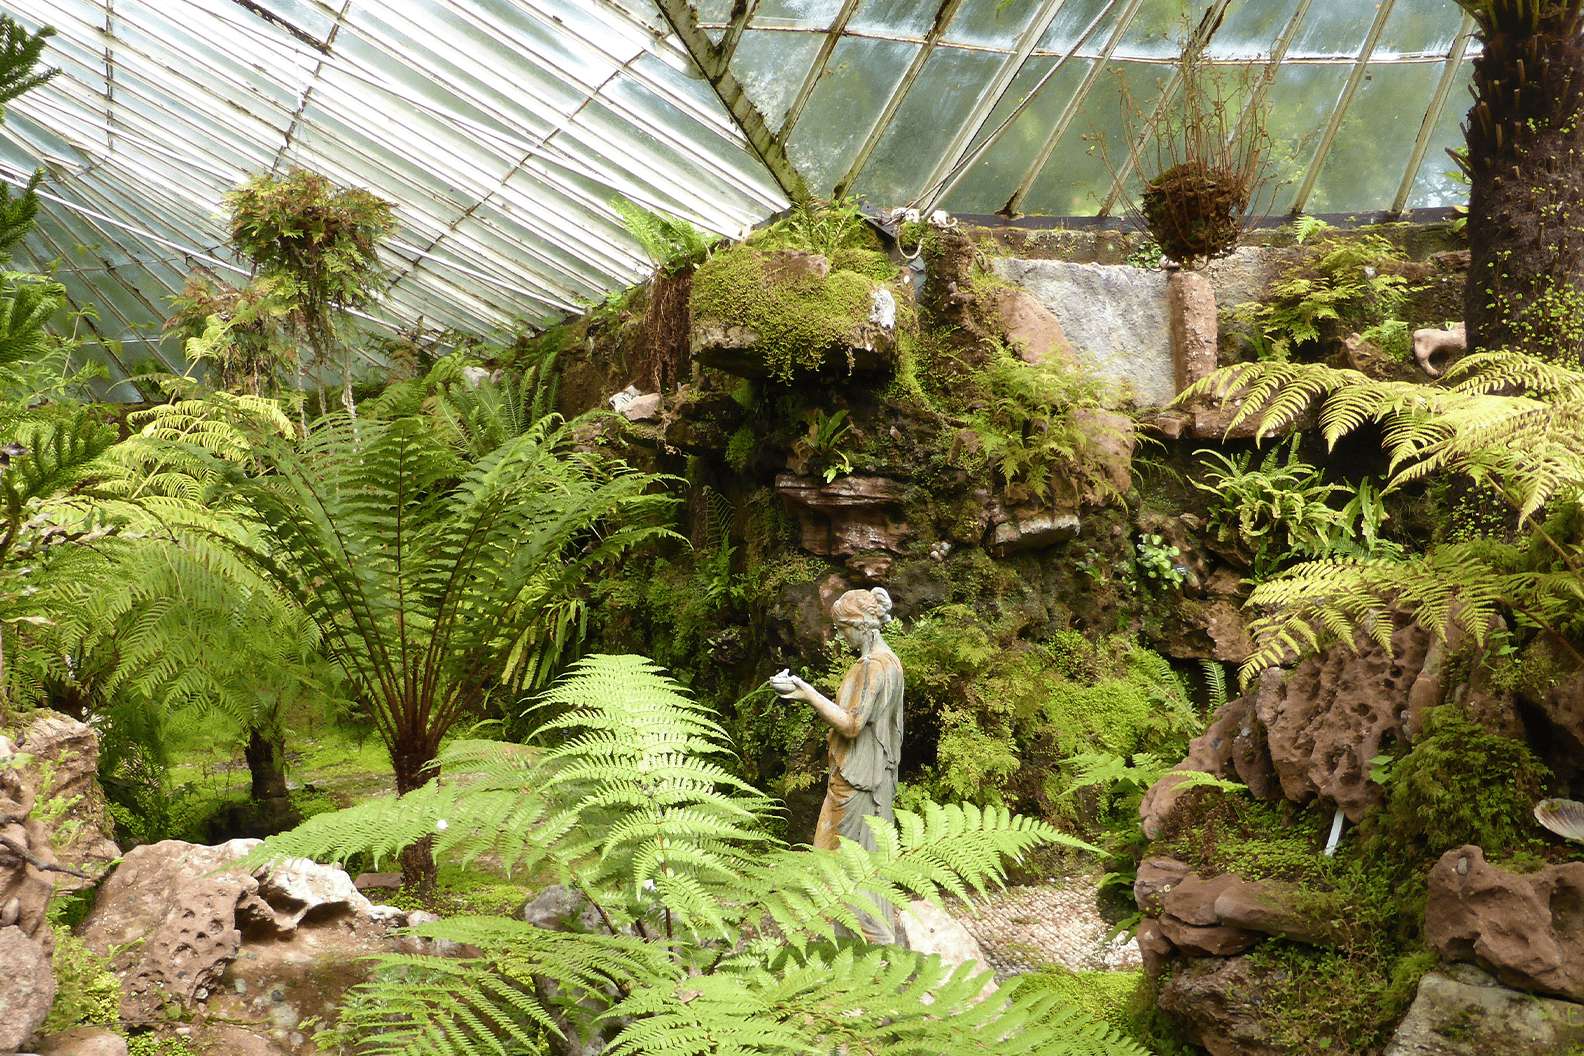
[(883, 601)]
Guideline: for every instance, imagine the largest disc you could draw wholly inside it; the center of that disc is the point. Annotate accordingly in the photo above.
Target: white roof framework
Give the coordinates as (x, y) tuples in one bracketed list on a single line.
[(502, 129)]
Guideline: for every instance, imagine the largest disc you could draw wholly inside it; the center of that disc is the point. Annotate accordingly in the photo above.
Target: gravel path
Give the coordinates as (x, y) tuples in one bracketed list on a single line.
[(1023, 929)]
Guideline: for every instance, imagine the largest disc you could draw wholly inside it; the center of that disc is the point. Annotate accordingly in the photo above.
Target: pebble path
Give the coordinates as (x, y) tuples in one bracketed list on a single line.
[(1023, 929)]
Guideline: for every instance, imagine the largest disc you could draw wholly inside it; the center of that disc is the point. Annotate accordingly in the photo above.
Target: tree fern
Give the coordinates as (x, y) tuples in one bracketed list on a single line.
[(435, 581), (713, 937), (1506, 420)]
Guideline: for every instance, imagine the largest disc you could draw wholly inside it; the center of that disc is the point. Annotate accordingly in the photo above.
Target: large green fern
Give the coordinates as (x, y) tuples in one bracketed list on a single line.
[(713, 937), (436, 581), (1510, 422)]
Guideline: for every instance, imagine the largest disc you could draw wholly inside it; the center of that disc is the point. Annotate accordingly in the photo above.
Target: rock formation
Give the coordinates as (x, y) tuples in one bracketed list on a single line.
[(1527, 929)]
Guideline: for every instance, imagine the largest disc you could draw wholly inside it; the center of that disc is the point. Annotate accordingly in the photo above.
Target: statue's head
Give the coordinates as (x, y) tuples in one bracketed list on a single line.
[(859, 615)]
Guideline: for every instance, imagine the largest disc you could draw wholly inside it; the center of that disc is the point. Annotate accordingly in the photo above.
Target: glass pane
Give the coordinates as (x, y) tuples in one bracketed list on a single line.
[(1074, 20), (771, 67), (1439, 183), (816, 13), (1334, 29), (991, 23), (1301, 101), (894, 18), (925, 123), (1079, 175), (860, 77), (1418, 27), (1365, 165), (1250, 31), (1160, 27)]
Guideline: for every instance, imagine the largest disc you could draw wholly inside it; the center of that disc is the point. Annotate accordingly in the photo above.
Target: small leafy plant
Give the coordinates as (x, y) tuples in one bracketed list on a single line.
[(1343, 285), (1030, 429), (674, 244), (1280, 508), (1157, 562), (821, 448)]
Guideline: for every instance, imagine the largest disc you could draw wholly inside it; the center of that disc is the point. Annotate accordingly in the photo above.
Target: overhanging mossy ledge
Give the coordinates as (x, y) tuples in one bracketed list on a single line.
[(786, 313)]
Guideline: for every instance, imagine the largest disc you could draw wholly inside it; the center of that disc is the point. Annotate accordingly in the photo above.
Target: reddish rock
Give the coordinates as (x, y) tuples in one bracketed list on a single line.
[(1195, 325), (1155, 949), (63, 769), (1329, 716), (281, 987), (1233, 748), (1110, 438), (85, 1041), (1527, 929), (1216, 629), (1154, 880), (1189, 919), (136, 898), (367, 882), (184, 957), (1557, 717), (24, 889), (27, 987), (1271, 908), (847, 516), (1028, 327), (1220, 1002)]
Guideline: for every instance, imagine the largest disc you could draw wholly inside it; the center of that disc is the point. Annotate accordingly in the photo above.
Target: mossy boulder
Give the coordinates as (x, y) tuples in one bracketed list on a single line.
[(785, 313)]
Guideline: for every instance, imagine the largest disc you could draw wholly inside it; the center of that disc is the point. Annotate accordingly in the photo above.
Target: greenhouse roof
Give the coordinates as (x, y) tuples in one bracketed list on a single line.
[(502, 129)]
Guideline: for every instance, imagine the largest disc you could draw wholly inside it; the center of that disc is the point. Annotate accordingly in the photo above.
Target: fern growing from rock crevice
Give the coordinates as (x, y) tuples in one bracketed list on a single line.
[(711, 935), (1510, 422)]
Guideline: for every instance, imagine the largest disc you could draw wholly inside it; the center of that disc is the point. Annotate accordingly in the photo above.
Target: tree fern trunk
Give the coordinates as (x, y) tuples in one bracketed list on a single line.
[(1526, 160), (413, 766), (266, 765)]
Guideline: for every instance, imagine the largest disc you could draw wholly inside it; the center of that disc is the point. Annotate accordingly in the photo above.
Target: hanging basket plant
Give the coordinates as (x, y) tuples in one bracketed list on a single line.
[(1195, 210), (1203, 155)]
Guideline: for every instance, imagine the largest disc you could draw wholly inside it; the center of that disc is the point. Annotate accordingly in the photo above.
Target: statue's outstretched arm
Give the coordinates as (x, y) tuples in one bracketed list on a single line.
[(833, 714)]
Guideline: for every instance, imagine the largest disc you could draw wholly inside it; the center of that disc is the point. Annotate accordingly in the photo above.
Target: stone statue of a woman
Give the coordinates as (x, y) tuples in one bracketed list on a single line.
[(865, 721)]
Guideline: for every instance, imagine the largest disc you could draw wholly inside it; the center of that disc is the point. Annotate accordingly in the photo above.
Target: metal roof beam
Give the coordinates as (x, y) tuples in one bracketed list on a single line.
[(1074, 105), (716, 68), (817, 69), (1432, 118), (943, 16), (989, 96)]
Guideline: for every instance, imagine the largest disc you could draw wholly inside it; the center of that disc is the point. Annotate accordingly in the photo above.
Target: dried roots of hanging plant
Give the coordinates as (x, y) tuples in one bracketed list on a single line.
[(1195, 211)]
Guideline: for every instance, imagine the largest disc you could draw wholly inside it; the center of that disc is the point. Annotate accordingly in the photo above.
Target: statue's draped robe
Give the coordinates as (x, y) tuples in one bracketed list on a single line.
[(866, 753)]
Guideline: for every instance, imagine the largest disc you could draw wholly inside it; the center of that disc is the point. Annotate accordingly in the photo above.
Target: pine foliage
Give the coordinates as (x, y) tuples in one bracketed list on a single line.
[(17, 213), (20, 52), (712, 936)]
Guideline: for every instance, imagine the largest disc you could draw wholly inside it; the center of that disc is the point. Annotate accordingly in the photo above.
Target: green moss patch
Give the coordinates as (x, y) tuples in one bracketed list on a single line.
[(801, 319)]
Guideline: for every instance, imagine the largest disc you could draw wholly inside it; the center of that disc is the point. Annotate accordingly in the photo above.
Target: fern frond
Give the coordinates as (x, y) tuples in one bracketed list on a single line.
[(879, 1001), (488, 1004)]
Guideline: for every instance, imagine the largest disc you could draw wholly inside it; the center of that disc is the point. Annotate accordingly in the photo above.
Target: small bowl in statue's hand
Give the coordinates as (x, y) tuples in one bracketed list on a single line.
[(783, 683)]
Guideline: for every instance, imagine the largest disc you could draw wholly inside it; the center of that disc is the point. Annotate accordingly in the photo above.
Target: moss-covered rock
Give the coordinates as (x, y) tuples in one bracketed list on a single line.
[(787, 313)]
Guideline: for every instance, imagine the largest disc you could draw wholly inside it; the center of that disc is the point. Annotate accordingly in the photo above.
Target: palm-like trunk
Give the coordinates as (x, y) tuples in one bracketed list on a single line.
[(1526, 161), (266, 759), (412, 758)]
